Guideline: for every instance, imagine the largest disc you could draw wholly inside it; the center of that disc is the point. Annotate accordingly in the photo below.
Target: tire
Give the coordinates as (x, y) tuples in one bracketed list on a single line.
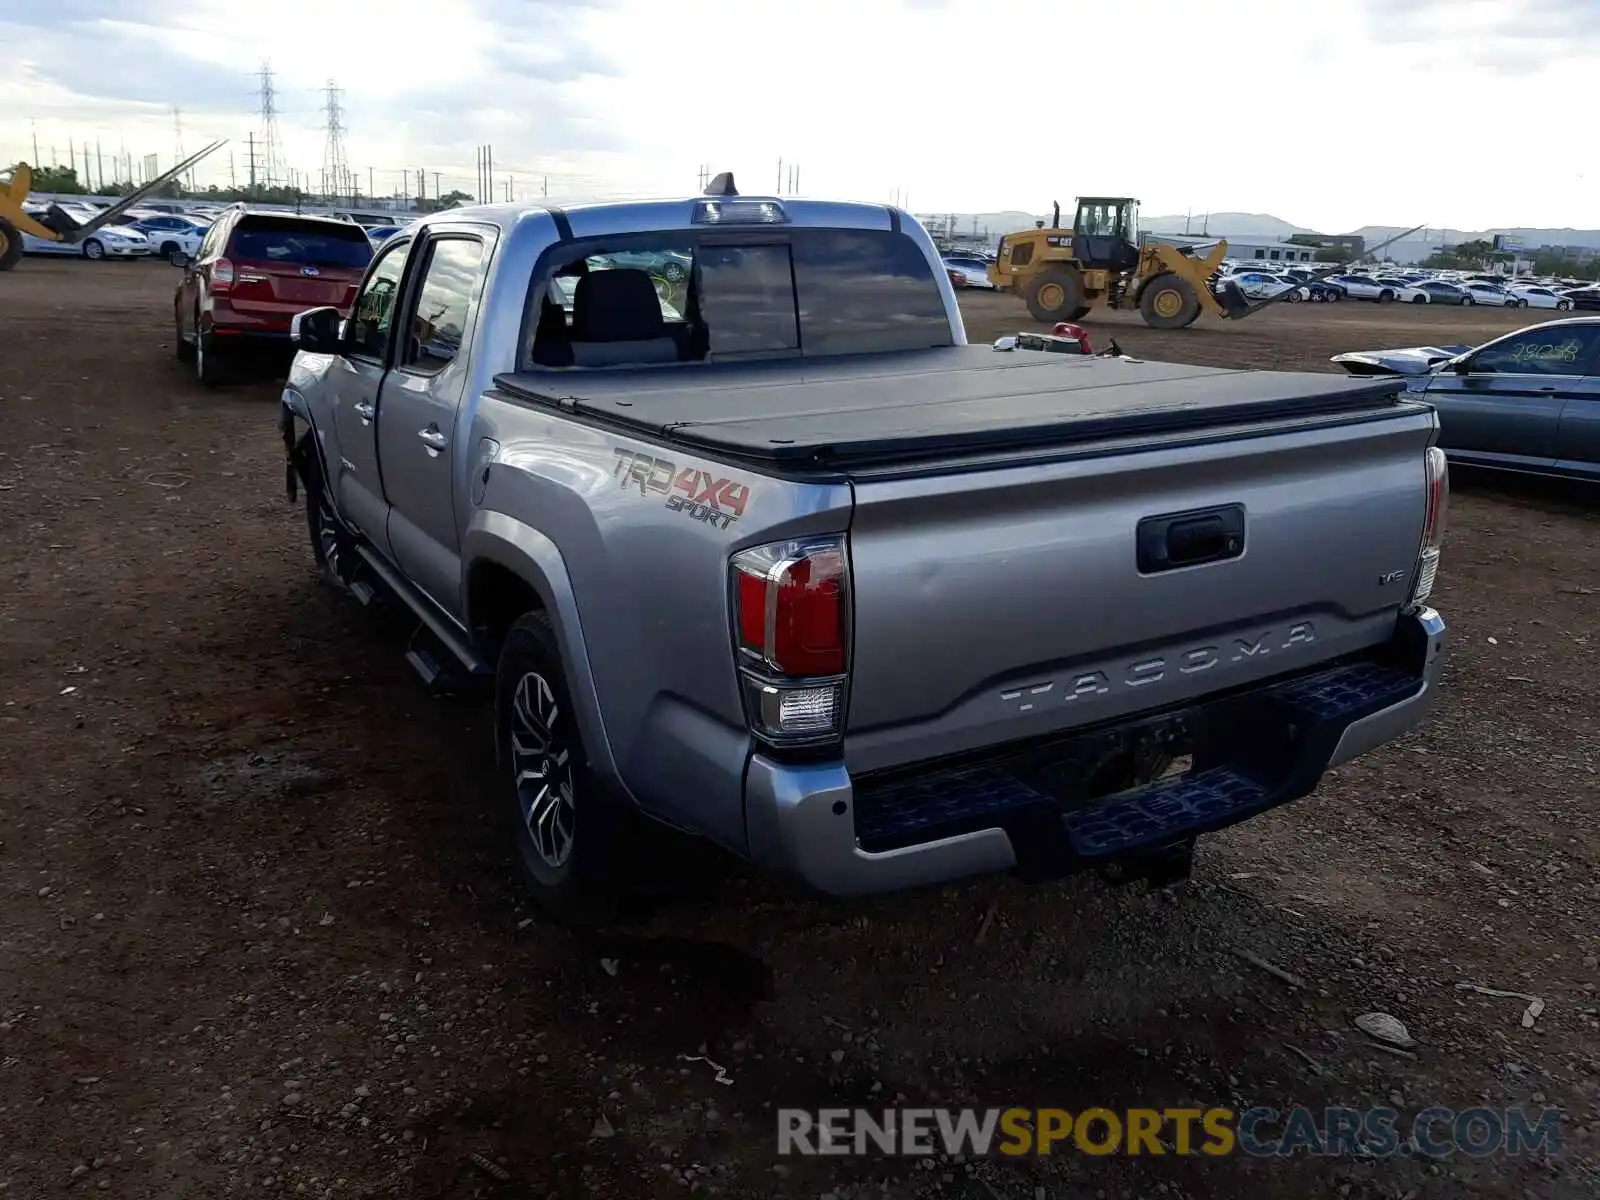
[(1564, 305), (209, 368), (1078, 314), (181, 349), (1168, 302), (171, 251), (1294, 296), (571, 830), (10, 245), (1466, 300), (1419, 299), (1054, 294), (332, 547), (93, 250), (1385, 296)]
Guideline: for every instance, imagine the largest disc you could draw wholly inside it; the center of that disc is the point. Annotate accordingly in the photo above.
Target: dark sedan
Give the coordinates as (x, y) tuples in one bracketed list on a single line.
[(1584, 298), (1528, 401), (1440, 292)]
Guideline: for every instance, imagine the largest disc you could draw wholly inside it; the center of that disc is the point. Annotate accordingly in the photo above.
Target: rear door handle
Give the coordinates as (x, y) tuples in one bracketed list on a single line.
[(365, 411), (432, 438)]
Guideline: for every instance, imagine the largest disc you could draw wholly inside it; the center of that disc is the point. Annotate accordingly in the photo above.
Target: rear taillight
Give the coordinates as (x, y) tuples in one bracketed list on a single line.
[(791, 622), (1437, 475), (221, 275)]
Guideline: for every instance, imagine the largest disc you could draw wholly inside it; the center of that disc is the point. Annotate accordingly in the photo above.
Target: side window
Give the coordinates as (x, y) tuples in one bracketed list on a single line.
[(213, 240), (1538, 352), (374, 311), (439, 321), (865, 290), (1261, 253)]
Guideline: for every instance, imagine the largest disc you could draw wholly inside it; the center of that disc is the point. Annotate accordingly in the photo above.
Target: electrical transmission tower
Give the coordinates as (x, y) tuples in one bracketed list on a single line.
[(177, 145), (335, 171), (269, 161)]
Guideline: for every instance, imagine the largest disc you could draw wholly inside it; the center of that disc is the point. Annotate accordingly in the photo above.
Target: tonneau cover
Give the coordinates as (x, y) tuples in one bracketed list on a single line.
[(863, 408)]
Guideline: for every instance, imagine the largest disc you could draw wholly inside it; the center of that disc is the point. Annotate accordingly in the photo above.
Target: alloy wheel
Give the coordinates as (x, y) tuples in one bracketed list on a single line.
[(541, 765)]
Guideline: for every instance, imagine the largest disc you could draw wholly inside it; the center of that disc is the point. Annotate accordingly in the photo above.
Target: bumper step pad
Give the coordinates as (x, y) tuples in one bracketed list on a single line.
[(1015, 791)]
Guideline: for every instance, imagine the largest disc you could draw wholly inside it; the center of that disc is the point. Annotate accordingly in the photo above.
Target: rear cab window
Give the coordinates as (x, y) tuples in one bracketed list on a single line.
[(697, 297), (268, 239)]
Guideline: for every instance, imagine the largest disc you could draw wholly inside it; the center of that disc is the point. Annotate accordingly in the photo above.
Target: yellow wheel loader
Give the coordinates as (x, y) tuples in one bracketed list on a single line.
[(1064, 273), (54, 224)]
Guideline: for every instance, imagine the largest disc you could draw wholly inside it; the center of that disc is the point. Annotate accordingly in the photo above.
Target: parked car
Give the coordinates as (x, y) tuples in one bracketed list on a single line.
[(1364, 287), (1441, 292), (252, 273), (1538, 296), (1528, 401), (171, 235), (973, 271), (1490, 293), (850, 661), (1322, 291), (1583, 297), (1259, 285), (109, 241)]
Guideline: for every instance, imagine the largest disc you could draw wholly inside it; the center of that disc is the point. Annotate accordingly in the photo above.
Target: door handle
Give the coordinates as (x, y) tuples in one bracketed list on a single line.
[(432, 438), (365, 411)]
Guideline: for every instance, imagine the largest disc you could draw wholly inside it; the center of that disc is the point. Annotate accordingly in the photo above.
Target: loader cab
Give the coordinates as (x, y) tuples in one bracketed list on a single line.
[(1105, 233)]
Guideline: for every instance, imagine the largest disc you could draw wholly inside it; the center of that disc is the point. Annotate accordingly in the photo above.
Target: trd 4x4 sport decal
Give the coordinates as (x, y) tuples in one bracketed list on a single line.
[(699, 494)]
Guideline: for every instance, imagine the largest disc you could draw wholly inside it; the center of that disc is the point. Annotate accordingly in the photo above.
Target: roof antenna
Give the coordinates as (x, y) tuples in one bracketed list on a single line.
[(722, 185)]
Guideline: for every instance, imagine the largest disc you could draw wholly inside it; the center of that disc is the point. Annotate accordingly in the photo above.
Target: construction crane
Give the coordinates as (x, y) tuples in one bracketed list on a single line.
[(55, 224)]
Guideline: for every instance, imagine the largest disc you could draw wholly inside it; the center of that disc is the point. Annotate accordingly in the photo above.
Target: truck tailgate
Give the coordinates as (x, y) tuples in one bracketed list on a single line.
[(1008, 602)]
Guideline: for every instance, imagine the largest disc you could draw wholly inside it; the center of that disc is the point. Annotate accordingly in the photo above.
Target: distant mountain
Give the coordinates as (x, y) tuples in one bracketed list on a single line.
[(1226, 224), (1413, 248)]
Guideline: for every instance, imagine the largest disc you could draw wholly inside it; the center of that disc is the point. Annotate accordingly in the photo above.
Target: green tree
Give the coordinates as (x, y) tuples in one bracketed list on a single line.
[(62, 180)]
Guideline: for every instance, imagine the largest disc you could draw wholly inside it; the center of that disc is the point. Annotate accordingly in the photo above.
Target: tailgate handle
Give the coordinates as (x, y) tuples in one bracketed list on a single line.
[(1191, 538)]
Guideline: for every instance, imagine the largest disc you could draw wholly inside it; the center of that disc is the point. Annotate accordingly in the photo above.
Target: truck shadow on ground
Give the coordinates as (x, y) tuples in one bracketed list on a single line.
[(990, 993)]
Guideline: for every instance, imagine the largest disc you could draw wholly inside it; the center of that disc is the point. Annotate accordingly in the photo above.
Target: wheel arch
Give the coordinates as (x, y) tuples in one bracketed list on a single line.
[(508, 565)]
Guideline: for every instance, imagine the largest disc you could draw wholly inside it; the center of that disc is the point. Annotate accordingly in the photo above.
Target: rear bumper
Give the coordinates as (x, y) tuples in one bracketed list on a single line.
[(1019, 808)]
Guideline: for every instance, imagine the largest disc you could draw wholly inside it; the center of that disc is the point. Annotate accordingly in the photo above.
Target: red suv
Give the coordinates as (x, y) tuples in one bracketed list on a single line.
[(253, 272)]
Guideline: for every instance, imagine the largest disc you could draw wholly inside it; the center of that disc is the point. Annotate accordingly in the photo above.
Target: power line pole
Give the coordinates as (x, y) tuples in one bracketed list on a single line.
[(99, 167), (544, 188), (780, 176), (252, 144), (335, 171), (36, 145), (372, 188)]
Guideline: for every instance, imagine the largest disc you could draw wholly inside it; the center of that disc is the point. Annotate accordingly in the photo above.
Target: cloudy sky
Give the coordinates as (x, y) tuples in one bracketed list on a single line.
[(1328, 113)]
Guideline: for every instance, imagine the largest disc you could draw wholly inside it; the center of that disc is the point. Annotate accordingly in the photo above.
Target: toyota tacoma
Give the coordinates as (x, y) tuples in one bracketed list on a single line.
[(762, 550)]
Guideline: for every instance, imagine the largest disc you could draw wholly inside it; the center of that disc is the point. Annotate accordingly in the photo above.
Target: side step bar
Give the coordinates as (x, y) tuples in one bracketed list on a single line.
[(434, 639)]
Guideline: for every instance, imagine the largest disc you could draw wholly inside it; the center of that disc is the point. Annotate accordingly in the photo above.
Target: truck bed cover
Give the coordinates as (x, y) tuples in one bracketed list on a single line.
[(861, 409)]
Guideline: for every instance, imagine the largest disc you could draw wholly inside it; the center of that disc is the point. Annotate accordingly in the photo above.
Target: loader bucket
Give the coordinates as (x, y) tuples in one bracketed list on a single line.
[(1235, 304)]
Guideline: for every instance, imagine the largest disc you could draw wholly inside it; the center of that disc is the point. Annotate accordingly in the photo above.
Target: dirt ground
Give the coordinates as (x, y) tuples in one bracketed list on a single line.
[(261, 936)]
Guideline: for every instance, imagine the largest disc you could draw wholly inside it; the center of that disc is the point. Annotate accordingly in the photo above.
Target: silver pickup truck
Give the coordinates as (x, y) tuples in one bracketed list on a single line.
[(750, 543)]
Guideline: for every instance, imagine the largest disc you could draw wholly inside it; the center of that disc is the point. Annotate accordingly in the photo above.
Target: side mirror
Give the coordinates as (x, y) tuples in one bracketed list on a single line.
[(316, 330), (184, 261)]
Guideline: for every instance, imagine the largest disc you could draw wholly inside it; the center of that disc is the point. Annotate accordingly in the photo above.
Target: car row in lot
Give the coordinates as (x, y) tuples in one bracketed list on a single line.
[(160, 231), (1528, 401)]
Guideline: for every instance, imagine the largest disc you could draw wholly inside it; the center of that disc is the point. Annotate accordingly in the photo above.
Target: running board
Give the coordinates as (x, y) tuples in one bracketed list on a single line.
[(436, 625)]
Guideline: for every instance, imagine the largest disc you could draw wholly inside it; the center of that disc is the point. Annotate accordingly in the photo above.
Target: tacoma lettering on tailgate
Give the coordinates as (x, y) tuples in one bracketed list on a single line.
[(1156, 667), (699, 494)]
